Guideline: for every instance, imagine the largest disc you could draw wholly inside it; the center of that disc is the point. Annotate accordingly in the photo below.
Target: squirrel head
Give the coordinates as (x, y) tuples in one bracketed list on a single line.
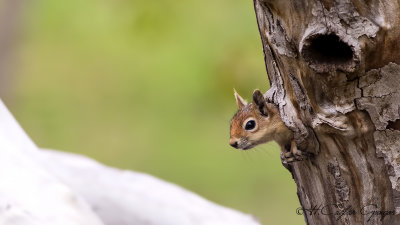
[(254, 123)]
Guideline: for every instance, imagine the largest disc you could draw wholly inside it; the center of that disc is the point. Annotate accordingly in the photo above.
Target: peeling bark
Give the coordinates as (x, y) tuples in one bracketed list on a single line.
[(334, 70)]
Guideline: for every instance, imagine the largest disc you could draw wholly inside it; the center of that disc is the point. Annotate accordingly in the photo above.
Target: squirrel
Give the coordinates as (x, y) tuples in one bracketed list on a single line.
[(260, 122)]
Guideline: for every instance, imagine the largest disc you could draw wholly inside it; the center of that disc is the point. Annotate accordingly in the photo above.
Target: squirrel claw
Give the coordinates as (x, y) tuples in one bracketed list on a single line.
[(289, 157), (293, 154)]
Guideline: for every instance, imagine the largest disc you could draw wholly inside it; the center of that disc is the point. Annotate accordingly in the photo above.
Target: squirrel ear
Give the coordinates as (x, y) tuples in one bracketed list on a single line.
[(239, 100), (259, 102)]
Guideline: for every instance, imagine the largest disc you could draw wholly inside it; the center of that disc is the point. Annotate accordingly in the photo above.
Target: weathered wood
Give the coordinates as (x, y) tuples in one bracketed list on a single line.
[(334, 69)]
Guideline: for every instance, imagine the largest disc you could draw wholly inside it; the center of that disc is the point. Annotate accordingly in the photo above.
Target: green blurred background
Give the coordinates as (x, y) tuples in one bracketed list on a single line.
[(147, 86)]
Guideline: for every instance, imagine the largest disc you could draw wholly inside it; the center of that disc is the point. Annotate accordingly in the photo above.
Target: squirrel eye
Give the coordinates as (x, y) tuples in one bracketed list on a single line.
[(250, 125)]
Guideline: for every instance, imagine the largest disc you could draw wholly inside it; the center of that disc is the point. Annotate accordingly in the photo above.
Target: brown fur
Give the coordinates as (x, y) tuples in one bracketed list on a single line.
[(269, 127)]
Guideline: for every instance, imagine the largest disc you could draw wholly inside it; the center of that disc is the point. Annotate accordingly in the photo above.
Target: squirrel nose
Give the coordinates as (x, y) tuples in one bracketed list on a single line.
[(234, 144)]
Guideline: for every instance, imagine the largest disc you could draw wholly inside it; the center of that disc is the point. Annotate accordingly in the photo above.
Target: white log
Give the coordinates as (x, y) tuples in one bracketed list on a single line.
[(49, 187), (28, 193), (125, 197)]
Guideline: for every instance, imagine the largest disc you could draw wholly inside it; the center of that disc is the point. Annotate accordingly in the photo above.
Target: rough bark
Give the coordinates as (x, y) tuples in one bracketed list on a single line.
[(334, 70)]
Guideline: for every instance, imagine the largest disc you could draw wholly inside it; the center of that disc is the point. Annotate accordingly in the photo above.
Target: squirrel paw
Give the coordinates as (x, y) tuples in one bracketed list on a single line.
[(293, 154), (289, 157)]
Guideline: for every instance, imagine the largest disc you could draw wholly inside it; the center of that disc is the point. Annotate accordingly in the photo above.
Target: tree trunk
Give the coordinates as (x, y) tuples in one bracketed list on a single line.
[(334, 69), (10, 16)]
